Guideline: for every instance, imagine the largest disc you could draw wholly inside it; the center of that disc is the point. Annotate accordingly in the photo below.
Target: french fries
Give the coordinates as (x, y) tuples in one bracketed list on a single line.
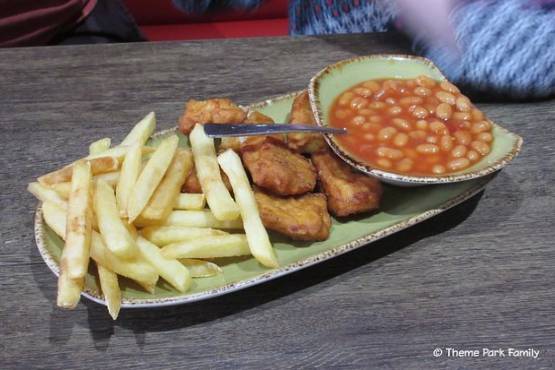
[(190, 201), (171, 270), (165, 196), (119, 152), (45, 194), (69, 290), (100, 146), (162, 235), (201, 268), (135, 268), (98, 165), (110, 289), (232, 245), (55, 218), (126, 213), (115, 234), (111, 178), (75, 255), (130, 169), (203, 218), (208, 172), (141, 131), (151, 176), (62, 188), (257, 236)]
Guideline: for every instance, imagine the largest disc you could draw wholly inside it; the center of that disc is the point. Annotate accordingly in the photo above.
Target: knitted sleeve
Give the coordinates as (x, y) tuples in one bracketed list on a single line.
[(506, 48), (320, 17)]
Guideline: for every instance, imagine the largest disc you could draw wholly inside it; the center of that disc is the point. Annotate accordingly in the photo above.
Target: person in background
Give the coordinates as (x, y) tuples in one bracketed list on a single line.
[(491, 48), (44, 22), (499, 48)]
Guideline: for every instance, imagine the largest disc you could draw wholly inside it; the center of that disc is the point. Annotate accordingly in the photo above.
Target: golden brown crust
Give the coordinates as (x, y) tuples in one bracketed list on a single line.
[(255, 117), (217, 110), (192, 185), (278, 169), (300, 218), (235, 143), (302, 113), (348, 192)]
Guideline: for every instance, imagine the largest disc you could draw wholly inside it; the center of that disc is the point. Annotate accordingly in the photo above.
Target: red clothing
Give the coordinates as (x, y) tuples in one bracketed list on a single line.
[(37, 22)]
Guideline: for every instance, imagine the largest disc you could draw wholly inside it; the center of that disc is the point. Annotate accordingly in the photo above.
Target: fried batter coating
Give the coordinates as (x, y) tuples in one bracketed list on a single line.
[(348, 192), (302, 113), (192, 185), (300, 218), (278, 169), (209, 111), (253, 117)]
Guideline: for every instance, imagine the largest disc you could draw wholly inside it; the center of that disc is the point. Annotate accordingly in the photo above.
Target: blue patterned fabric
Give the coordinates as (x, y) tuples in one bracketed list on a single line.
[(507, 47)]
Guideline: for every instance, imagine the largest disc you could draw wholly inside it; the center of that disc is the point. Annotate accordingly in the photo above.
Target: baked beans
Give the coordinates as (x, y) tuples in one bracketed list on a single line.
[(412, 126)]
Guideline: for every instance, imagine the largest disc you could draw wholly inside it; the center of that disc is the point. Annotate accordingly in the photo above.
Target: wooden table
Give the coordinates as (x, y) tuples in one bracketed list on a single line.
[(480, 275)]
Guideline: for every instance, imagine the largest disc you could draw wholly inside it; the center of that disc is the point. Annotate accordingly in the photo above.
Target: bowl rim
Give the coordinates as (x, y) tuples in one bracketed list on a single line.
[(315, 104)]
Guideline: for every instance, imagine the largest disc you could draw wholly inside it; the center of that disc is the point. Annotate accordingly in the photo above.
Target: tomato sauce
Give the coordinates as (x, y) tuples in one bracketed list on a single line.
[(415, 126)]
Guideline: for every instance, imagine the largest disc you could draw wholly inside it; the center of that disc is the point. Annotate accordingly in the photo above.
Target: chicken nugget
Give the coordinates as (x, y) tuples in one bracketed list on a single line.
[(253, 118), (209, 111), (192, 185), (302, 113), (278, 169), (348, 192), (300, 218)]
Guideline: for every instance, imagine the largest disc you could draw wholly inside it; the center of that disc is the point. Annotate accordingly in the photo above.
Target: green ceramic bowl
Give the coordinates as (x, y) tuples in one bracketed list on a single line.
[(336, 78), (400, 209)]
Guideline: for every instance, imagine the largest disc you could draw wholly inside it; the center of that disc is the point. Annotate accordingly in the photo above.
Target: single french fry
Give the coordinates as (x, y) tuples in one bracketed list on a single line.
[(209, 247), (165, 196), (100, 146), (119, 152), (130, 169), (151, 176), (219, 200), (111, 178), (62, 188), (202, 218), (113, 231), (75, 255), (257, 236), (171, 270), (190, 201), (136, 269), (98, 165), (201, 268), (45, 194), (141, 132), (162, 235), (55, 218), (110, 289), (69, 290)]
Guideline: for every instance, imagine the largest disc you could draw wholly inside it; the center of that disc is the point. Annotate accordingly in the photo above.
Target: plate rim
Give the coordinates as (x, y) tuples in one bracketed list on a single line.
[(39, 230)]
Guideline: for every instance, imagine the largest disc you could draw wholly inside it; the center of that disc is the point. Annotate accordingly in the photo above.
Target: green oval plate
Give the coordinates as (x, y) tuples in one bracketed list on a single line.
[(336, 78), (401, 208)]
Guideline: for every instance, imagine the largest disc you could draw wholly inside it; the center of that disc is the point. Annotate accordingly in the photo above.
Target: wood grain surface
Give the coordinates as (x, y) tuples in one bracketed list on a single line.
[(480, 275)]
